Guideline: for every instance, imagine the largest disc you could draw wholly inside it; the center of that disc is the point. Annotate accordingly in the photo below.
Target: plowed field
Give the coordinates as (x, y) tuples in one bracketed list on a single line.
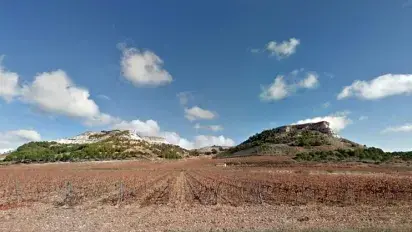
[(208, 184)]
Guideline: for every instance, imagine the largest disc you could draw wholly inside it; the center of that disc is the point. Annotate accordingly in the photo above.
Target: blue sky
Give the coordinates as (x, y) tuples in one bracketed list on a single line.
[(242, 66)]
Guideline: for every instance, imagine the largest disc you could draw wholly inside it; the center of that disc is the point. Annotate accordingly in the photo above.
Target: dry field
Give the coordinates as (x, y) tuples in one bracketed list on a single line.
[(201, 194)]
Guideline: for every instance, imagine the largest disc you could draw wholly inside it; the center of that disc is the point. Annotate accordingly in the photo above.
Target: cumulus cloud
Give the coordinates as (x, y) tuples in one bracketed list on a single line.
[(337, 121), (276, 91), (197, 113), (143, 68), (174, 138), (380, 87), (402, 128), (199, 141), (310, 82), (145, 128), (280, 89), (55, 93), (208, 127), (152, 128), (101, 119), (5, 150), (9, 87), (207, 140), (283, 49), (12, 139)]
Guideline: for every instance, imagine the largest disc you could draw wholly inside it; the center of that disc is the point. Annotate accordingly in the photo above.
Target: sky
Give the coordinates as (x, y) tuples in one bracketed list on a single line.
[(203, 73)]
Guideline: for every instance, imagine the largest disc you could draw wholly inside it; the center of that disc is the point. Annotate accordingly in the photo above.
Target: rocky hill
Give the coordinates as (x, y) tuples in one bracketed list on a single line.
[(104, 145), (291, 140), (209, 150), (93, 137)]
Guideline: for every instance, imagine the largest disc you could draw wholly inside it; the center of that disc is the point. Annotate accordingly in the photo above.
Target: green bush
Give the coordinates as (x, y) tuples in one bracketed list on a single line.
[(307, 138), (106, 150), (367, 154), (170, 155)]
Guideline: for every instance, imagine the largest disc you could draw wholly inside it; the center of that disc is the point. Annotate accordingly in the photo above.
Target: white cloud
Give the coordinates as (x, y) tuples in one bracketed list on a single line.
[(5, 150), (283, 49), (151, 128), (209, 127), (12, 139), (402, 128), (174, 138), (54, 92), (310, 82), (101, 119), (143, 68), (25, 135), (145, 128), (380, 87), (362, 118), (280, 89), (9, 87), (276, 91), (199, 141), (197, 113), (205, 140), (337, 121)]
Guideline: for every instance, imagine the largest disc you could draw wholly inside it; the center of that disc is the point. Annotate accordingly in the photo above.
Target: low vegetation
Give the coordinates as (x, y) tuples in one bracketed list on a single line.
[(371, 154), (110, 149), (311, 139)]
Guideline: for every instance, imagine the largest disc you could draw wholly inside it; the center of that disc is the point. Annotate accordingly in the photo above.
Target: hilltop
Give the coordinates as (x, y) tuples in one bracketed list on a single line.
[(104, 145), (209, 150), (303, 142), (93, 137), (293, 139), (312, 142)]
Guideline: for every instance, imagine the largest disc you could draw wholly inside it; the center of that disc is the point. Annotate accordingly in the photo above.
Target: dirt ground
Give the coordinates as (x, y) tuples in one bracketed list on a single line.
[(202, 194)]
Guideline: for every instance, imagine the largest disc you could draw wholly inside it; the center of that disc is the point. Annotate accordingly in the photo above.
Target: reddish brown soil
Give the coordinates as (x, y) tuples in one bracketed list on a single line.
[(245, 184)]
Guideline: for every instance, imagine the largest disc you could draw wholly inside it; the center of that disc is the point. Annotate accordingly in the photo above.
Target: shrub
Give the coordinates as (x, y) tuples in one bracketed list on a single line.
[(367, 154)]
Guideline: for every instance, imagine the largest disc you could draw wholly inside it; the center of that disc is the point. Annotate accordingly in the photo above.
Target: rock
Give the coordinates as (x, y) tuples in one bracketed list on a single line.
[(93, 137)]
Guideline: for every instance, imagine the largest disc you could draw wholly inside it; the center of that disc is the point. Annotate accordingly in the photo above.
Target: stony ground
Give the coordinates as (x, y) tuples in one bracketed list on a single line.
[(174, 196), (44, 217)]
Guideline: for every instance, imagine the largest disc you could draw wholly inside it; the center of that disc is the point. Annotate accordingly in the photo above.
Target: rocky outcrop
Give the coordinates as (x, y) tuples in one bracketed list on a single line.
[(292, 139), (94, 137), (322, 127)]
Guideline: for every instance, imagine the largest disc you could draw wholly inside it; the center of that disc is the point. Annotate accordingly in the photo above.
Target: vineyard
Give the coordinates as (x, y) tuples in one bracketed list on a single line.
[(188, 183)]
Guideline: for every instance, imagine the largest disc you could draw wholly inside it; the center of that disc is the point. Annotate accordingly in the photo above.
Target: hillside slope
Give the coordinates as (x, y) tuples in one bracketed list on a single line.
[(293, 139), (104, 145)]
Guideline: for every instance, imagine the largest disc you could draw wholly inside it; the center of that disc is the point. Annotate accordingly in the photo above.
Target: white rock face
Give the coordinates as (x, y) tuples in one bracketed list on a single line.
[(93, 137)]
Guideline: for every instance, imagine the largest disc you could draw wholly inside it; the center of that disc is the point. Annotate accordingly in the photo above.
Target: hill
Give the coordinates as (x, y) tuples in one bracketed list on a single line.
[(209, 150), (104, 145), (312, 142), (293, 139)]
